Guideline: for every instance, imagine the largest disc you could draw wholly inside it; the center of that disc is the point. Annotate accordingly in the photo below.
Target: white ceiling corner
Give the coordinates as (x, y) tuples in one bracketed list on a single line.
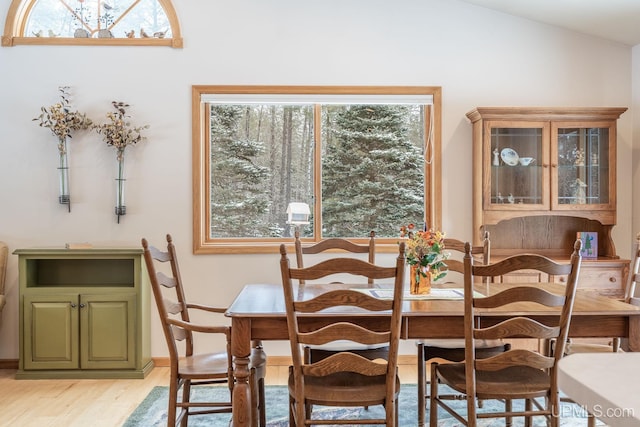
[(615, 20)]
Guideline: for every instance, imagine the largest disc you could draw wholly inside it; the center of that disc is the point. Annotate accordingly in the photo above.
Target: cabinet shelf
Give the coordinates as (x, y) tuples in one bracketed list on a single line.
[(583, 167), (80, 272), (517, 200)]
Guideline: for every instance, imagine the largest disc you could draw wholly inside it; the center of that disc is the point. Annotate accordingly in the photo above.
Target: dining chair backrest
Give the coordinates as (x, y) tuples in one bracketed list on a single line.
[(481, 253), (335, 244), (634, 276), (616, 343), (386, 332), (518, 326), (170, 298)]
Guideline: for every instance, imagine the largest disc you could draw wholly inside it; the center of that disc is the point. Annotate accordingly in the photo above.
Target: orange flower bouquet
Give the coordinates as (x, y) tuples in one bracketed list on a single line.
[(425, 253)]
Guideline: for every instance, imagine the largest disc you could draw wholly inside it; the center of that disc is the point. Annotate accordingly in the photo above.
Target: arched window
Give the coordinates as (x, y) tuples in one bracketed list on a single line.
[(92, 22)]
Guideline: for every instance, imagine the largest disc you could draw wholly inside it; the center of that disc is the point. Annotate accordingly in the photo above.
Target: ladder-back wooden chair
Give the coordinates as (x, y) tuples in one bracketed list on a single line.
[(339, 245), (343, 379), (335, 244), (188, 368), (516, 373), (452, 350), (634, 277)]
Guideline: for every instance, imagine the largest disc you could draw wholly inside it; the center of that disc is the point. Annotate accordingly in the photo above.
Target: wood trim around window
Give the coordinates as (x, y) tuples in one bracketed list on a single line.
[(203, 244)]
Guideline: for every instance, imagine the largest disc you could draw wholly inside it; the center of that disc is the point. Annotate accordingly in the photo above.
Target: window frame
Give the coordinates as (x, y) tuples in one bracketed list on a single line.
[(203, 244), (18, 13)]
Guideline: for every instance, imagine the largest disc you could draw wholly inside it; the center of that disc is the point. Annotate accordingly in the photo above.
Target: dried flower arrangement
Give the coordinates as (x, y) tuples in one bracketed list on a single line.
[(61, 120), (120, 133)]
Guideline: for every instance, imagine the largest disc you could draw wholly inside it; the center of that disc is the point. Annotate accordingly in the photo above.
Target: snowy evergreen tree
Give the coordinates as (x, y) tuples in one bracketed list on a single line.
[(238, 200), (372, 173)]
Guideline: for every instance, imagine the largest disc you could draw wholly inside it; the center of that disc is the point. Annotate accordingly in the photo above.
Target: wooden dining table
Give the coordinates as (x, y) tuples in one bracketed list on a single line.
[(258, 314)]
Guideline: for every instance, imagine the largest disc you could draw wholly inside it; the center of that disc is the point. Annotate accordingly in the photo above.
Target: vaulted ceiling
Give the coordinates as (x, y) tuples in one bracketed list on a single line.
[(616, 20)]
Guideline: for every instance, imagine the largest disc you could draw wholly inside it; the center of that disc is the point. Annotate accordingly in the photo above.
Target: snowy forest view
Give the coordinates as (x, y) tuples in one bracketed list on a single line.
[(262, 158)]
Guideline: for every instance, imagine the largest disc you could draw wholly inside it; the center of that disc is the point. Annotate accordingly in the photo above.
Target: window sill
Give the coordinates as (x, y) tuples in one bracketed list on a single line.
[(8, 41)]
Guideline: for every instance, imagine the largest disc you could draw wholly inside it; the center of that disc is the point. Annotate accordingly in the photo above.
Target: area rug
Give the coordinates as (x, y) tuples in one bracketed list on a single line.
[(152, 411)]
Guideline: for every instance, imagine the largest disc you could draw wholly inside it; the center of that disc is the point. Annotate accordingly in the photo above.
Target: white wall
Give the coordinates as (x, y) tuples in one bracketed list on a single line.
[(635, 175), (479, 57)]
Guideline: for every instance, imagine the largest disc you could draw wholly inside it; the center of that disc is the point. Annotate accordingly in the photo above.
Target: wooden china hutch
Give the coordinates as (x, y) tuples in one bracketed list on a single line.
[(540, 176)]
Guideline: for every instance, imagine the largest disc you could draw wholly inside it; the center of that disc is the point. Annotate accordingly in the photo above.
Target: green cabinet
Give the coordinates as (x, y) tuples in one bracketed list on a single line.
[(84, 313)]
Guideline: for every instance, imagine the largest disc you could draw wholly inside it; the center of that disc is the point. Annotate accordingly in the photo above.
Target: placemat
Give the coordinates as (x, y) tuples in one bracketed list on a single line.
[(435, 294)]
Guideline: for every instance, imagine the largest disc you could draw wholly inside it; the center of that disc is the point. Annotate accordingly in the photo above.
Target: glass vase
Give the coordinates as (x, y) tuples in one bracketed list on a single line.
[(419, 280), (121, 208), (64, 197)]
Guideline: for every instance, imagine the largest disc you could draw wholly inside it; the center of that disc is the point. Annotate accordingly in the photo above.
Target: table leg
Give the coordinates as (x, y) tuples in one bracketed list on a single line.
[(634, 333), (258, 371), (241, 350), (634, 328)]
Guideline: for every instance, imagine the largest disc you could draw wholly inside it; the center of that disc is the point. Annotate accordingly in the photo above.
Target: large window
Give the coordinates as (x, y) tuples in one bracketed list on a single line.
[(354, 159)]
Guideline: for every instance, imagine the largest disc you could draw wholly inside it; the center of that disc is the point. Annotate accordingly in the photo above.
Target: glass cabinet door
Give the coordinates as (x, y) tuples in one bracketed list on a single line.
[(518, 165), (581, 173)]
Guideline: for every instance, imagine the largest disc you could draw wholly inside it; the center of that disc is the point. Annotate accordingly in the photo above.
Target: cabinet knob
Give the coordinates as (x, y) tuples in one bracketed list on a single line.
[(82, 305), (612, 279), (73, 305)]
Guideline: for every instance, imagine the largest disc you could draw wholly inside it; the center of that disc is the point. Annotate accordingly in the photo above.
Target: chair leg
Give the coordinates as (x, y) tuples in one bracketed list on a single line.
[(528, 405), (308, 409), (422, 385), (256, 378), (186, 396), (591, 420), (508, 407), (261, 397), (472, 413), (396, 414), (292, 419), (553, 403), (253, 389), (173, 400), (554, 418), (433, 393), (616, 344)]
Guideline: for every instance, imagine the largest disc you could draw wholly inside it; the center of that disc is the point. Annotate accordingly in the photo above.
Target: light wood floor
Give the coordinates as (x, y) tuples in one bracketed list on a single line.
[(96, 403)]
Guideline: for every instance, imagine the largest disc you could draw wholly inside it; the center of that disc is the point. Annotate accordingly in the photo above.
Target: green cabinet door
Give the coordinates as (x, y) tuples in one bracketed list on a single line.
[(51, 331), (107, 331)]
